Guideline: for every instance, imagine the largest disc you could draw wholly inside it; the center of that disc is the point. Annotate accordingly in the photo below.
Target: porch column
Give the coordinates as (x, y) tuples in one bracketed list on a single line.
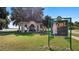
[(22, 27), (39, 28), (27, 27), (36, 27)]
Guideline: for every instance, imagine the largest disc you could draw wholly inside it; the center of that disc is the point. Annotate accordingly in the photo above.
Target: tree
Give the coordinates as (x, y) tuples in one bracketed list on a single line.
[(45, 21), (22, 14), (17, 16), (3, 18), (76, 23), (59, 18)]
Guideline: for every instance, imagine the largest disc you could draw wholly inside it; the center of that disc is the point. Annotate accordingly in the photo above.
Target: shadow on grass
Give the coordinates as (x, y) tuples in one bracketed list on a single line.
[(24, 34), (67, 39), (3, 33)]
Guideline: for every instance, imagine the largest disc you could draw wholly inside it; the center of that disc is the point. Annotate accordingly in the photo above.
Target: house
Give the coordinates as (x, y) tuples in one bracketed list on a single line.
[(32, 21)]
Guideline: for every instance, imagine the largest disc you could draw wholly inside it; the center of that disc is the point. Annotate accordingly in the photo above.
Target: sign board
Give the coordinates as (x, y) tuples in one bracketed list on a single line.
[(60, 28)]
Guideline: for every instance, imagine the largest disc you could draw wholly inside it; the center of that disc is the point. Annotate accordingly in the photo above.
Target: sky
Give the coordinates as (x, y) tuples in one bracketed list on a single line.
[(72, 12)]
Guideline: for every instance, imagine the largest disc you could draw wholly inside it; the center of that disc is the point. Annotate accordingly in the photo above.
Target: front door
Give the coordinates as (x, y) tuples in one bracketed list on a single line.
[(32, 28)]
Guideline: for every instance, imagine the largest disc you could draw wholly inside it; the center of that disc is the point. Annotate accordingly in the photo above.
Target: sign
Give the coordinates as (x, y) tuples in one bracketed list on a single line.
[(60, 28)]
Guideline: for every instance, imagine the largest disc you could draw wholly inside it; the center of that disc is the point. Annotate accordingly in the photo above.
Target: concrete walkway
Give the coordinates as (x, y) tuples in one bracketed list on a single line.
[(75, 32), (13, 29), (74, 37)]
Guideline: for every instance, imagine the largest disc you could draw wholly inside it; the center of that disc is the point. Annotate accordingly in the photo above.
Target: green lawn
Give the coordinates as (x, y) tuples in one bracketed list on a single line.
[(62, 44), (12, 41), (23, 42)]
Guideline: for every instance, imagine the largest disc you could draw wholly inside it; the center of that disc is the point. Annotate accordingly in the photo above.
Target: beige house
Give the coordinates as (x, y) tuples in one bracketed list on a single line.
[(33, 20)]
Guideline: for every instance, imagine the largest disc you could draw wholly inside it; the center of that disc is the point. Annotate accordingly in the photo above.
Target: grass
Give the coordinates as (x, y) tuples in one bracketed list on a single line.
[(23, 42), (62, 44), (75, 44), (12, 41)]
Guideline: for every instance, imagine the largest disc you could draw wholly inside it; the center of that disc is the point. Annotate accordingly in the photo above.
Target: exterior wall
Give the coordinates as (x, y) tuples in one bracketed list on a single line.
[(36, 25)]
